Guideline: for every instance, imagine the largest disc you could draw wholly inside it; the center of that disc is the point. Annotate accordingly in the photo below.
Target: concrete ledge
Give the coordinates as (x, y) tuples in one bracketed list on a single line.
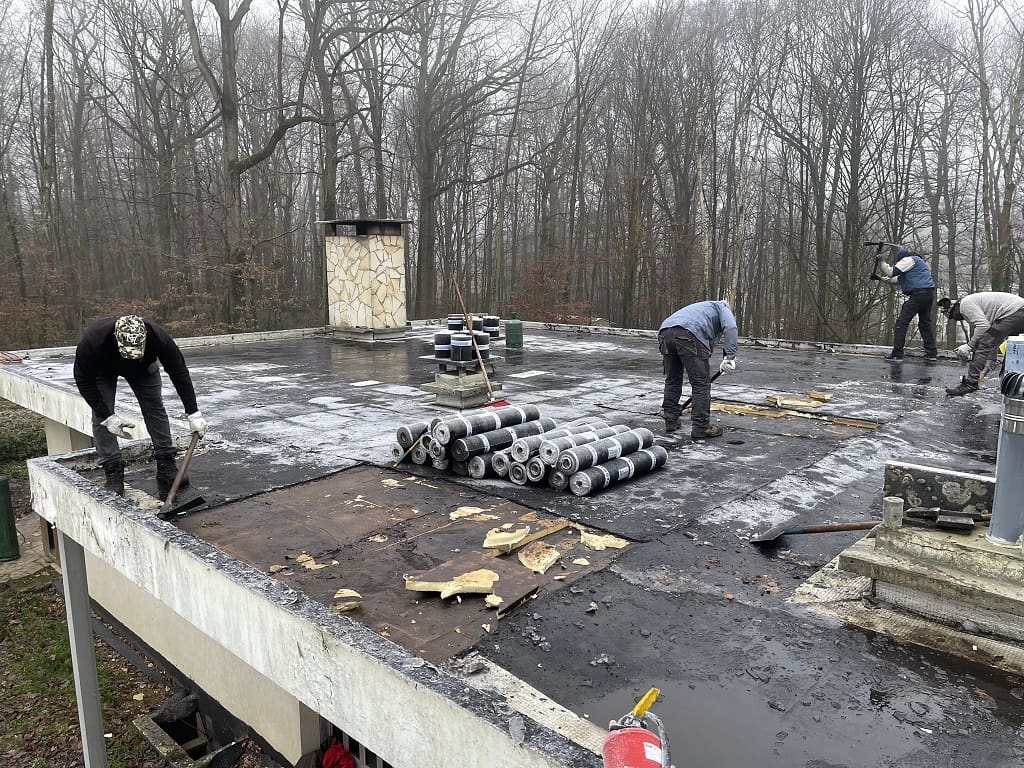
[(969, 553), (941, 582), (920, 485)]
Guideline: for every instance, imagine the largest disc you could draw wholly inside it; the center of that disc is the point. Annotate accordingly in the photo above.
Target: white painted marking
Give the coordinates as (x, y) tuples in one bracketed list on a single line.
[(526, 374)]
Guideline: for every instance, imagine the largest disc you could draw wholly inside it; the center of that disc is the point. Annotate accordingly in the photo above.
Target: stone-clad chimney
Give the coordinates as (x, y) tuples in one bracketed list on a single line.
[(365, 264)]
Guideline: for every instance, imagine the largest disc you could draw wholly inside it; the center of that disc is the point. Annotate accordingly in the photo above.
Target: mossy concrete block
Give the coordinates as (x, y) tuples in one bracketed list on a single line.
[(921, 485)]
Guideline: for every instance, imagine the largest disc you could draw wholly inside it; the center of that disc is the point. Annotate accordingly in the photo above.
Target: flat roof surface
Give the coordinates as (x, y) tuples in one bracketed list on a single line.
[(298, 460)]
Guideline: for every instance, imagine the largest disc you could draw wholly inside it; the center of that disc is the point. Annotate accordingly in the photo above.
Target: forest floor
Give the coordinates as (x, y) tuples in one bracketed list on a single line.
[(38, 710)]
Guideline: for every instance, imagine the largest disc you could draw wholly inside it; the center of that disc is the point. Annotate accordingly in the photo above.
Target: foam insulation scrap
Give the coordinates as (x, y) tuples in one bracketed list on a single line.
[(346, 600), (822, 396), (480, 581), (505, 537), (473, 513), (306, 561), (599, 542), (538, 556)]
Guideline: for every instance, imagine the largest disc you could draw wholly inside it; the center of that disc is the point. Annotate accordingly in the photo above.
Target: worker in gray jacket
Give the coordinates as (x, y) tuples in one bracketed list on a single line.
[(993, 316), (686, 339)]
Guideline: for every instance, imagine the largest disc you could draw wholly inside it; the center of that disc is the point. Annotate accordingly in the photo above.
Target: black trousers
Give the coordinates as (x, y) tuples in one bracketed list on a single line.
[(989, 342), (918, 303), (681, 353)]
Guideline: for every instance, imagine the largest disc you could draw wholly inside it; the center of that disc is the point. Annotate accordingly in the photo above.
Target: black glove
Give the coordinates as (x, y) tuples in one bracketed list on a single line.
[(875, 277)]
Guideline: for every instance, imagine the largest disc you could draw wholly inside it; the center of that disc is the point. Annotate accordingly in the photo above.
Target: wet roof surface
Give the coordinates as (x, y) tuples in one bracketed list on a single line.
[(688, 606)]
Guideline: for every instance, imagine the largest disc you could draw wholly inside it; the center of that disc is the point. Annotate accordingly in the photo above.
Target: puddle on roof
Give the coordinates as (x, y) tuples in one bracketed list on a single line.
[(720, 724)]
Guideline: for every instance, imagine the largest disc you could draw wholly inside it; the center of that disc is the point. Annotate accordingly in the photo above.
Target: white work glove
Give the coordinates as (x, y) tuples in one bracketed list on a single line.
[(964, 352), (196, 423), (118, 427), (728, 365)]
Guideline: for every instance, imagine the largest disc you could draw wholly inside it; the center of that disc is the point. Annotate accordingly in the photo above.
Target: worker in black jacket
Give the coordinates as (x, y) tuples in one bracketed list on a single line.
[(129, 346)]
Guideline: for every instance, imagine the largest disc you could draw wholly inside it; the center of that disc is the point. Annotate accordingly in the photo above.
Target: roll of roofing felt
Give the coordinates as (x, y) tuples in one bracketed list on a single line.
[(582, 456), (419, 454), (483, 344), (408, 435), (496, 439), (442, 345), (586, 481), (500, 461), (437, 451), (525, 447), (462, 347), (397, 452), (517, 473), (479, 466), (485, 420), (536, 470), (549, 449), (557, 479)]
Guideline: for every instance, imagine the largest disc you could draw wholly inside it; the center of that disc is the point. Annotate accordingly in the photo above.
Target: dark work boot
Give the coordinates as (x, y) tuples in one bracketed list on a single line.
[(166, 471), (965, 387), (671, 425), (894, 356), (712, 430), (115, 477)]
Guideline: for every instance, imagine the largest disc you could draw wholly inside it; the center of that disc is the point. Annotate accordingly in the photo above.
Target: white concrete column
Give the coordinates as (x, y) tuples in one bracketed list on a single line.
[(83, 654), (61, 438)]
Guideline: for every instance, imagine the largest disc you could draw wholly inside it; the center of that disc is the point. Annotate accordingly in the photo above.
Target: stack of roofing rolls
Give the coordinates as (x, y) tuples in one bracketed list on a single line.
[(517, 443)]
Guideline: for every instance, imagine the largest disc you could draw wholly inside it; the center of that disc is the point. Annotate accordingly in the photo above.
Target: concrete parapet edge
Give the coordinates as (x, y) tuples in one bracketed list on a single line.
[(375, 690)]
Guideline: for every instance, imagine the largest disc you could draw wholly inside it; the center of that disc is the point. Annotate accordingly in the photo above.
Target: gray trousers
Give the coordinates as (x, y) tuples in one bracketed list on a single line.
[(147, 389), (989, 342), (681, 353)]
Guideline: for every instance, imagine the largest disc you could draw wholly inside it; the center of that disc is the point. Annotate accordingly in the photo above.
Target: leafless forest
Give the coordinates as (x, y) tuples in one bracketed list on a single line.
[(568, 159)]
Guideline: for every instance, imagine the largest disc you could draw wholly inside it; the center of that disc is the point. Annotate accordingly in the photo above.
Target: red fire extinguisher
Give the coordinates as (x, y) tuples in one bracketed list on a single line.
[(637, 740)]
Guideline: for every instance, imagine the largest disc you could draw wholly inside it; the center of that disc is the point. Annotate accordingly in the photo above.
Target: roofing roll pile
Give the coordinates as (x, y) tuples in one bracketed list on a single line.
[(517, 443)]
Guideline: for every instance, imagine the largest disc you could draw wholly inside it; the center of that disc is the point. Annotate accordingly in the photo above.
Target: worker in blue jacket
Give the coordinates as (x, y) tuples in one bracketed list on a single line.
[(686, 339), (912, 275)]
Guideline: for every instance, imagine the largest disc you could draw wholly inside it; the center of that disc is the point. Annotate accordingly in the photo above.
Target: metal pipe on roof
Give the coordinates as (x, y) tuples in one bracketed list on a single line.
[(1007, 522)]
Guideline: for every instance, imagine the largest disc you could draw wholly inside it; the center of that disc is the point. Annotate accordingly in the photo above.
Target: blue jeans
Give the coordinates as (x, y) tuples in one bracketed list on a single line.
[(680, 353), (147, 389)]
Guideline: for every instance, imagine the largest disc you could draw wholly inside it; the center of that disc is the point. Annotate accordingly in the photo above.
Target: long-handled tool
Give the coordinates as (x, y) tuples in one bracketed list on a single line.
[(472, 337), (879, 245), (168, 510), (788, 529), (686, 403)]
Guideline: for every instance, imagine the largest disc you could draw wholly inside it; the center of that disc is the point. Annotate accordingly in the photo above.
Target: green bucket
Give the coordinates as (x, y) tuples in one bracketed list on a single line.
[(514, 331), (9, 549)]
